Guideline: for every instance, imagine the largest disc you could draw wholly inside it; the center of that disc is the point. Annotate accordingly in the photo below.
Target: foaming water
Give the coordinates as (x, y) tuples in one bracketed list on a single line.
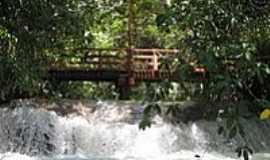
[(108, 132)]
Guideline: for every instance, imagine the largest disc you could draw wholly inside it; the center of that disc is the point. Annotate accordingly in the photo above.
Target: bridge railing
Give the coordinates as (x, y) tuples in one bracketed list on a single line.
[(90, 59), (142, 60), (105, 59), (151, 59)]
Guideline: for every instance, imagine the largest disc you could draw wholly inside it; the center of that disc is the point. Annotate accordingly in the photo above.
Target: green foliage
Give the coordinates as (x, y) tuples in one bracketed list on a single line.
[(231, 125), (232, 117), (223, 36), (78, 90), (145, 122), (29, 28), (244, 152), (150, 110), (229, 38)]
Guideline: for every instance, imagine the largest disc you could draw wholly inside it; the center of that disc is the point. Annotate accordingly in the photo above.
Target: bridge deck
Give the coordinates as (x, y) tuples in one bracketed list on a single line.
[(107, 75)]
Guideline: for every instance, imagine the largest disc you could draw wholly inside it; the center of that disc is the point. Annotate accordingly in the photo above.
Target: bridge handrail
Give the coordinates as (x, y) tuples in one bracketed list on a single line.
[(101, 58)]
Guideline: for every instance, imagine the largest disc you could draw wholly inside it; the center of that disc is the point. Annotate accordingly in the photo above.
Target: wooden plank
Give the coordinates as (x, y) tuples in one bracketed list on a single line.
[(104, 56), (89, 60), (135, 50), (84, 75), (143, 57), (154, 50), (96, 49)]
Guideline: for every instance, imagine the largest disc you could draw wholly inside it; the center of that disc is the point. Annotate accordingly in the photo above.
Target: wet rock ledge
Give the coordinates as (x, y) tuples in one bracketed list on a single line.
[(127, 111)]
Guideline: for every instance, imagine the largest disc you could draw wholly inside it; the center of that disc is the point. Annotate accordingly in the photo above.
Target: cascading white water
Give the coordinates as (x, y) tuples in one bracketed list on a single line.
[(109, 132)]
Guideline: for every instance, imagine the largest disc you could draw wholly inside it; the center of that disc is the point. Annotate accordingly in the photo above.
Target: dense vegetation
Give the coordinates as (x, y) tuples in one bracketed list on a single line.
[(27, 30), (231, 39)]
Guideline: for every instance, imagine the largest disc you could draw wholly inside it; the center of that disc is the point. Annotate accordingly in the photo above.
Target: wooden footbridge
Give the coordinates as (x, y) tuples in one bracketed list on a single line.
[(125, 65), (122, 66)]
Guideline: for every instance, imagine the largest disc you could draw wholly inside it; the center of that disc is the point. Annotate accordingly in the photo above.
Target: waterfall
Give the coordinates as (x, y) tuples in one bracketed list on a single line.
[(109, 131)]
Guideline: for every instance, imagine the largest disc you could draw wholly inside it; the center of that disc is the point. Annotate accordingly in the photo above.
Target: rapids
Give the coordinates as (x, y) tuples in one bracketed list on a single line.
[(109, 131)]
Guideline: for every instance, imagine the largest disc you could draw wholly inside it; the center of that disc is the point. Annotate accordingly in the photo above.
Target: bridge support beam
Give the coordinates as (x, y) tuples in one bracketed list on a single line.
[(124, 92), (124, 85)]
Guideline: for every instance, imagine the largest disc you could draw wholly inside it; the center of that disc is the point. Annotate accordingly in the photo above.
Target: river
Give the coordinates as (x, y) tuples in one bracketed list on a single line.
[(109, 131)]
